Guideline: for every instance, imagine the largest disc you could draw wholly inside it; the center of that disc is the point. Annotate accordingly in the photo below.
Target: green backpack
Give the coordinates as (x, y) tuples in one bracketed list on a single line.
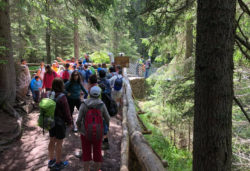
[(47, 110)]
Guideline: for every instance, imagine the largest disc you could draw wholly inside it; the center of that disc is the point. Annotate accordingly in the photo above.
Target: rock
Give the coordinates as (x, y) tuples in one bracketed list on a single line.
[(138, 86)]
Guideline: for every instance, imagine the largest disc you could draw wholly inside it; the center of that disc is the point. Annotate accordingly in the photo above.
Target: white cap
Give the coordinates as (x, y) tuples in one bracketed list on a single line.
[(95, 92)]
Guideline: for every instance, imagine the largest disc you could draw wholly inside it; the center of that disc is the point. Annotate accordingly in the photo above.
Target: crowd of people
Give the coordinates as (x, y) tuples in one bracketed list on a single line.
[(89, 88)]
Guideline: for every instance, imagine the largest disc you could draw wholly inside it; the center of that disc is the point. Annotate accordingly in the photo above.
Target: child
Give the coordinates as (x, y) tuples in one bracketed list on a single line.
[(36, 87)]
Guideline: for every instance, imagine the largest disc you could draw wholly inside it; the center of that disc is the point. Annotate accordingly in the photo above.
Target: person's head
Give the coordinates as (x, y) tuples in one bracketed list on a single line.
[(118, 68), (75, 77), (93, 79), (120, 72), (86, 56), (80, 63), (55, 61), (57, 85), (113, 64), (85, 66), (99, 65), (48, 69), (54, 65), (66, 66), (42, 64), (74, 67), (37, 78), (111, 69), (104, 65), (95, 92), (73, 59), (102, 74), (23, 62)]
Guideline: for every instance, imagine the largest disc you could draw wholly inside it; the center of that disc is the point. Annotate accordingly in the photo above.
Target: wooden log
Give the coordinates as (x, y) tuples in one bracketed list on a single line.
[(125, 138), (146, 156)]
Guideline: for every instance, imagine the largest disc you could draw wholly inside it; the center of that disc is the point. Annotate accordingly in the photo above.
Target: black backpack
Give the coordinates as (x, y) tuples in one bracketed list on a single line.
[(110, 104)]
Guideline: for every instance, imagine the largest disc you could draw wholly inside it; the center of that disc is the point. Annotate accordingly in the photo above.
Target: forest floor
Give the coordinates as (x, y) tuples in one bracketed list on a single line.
[(31, 151)]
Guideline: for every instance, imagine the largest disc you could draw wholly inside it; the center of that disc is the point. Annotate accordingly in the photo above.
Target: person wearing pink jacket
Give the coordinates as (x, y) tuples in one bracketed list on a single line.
[(49, 76)]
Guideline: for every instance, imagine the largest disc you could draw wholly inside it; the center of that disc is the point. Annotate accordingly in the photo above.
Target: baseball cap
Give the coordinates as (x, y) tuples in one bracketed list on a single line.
[(95, 92)]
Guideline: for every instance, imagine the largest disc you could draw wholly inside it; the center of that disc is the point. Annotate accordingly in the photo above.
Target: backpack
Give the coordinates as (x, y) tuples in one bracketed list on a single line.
[(87, 74), (65, 75), (46, 118), (82, 72), (110, 104), (105, 86), (94, 124), (118, 84)]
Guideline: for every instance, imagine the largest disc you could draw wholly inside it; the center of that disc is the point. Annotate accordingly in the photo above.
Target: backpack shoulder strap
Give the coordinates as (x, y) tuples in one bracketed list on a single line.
[(59, 96)]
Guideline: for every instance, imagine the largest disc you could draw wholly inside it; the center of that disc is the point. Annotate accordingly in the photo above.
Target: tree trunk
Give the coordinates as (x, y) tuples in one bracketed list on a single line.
[(76, 38), (7, 66), (214, 85), (189, 38), (48, 33)]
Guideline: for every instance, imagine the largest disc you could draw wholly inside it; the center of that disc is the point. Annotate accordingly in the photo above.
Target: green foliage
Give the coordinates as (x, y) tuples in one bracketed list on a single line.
[(178, 160), (100, 57)]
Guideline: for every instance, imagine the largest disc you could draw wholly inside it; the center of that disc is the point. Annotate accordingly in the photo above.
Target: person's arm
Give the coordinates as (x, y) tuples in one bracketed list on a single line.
[(66, 87), (38, 72), (105, 114), (84, 90), (60, 59), (81, 115), (44, 79), (66, 110)]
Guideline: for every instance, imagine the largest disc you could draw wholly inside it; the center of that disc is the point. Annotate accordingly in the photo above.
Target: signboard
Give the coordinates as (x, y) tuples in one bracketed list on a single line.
[(122, 60)]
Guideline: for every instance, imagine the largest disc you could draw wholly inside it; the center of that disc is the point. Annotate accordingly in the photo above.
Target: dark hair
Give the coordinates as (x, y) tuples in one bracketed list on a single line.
[(22, 60), (99, 65), (93, 79), (86, 66), (104, 65), (102, 73), (36, 77), (72, 77), (120, 72), (80, 62), (118, 67), (49, 69), (57, 85), (111, 69), (67, 65)]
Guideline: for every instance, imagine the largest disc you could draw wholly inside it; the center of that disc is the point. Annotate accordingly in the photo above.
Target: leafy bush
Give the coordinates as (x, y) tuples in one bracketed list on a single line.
[(100, 57)]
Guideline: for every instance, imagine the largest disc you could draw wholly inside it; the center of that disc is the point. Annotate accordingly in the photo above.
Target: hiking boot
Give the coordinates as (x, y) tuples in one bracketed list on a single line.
[(105, 145), (51, 163), (61, 165)]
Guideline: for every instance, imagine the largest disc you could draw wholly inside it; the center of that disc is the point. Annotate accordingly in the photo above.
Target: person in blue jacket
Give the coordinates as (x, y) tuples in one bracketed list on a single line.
[(36, 86), (73, 91)]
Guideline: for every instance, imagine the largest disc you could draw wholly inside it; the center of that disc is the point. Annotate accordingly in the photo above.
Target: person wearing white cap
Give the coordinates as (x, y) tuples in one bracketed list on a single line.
[(90, 124)]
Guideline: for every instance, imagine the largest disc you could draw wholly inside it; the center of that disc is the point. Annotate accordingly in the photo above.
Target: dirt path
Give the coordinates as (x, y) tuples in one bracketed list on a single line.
[(30, 152)]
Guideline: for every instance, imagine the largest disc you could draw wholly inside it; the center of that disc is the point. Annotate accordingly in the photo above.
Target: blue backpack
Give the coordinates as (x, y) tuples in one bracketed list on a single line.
[(118, 84), (105, 85), (87, 74)]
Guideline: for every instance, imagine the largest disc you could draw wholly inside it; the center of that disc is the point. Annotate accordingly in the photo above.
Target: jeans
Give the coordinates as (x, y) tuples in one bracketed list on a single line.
[(147, 73)]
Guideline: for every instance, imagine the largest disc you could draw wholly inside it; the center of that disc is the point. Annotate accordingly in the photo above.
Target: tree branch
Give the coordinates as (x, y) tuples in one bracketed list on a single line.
[(244, 7), (242, 51), (241, 107), (241, 41)]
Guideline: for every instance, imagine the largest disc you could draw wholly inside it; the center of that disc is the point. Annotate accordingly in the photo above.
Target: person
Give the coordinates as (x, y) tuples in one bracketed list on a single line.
[(58, 131), (54, 67), (87, 73), (104, 67), (90, 142), (106, 90), (73, 90), (117, 84), (86, 60), (49, 76), (66, 74), (92, 82), (91, 68), (41, 71), (111, 72), (147, 67), (36, 87), (99, 67)]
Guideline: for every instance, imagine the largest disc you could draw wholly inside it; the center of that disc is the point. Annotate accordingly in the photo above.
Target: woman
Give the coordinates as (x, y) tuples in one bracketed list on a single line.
[(57, 133), (73, 90), (41, 71), (49, 76)]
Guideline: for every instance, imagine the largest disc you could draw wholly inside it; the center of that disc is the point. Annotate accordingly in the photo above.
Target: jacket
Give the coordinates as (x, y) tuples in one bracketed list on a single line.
[(92, 102), (35, 85), (48, 79), (74, 89)]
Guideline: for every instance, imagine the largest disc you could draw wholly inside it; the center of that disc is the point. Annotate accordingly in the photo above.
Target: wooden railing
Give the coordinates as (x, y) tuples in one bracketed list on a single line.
[(133, 141)]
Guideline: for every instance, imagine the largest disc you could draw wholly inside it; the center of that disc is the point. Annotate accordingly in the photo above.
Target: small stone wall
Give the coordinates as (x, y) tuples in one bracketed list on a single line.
[(138, 86)]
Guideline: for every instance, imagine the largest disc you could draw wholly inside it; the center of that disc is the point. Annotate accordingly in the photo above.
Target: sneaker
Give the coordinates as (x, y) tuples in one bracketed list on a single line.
[(51, 163), (61, 166), (105, 145)]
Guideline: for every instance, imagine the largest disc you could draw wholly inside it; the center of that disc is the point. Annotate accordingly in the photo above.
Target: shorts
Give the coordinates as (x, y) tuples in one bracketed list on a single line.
[(58, 131), (116, 95)]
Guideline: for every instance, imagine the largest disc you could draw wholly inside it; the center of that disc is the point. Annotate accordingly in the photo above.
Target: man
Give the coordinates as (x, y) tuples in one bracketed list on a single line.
[(147, 67)]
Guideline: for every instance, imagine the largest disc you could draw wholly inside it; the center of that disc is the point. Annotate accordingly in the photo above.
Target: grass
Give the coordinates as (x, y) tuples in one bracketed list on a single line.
[(178, 160)]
